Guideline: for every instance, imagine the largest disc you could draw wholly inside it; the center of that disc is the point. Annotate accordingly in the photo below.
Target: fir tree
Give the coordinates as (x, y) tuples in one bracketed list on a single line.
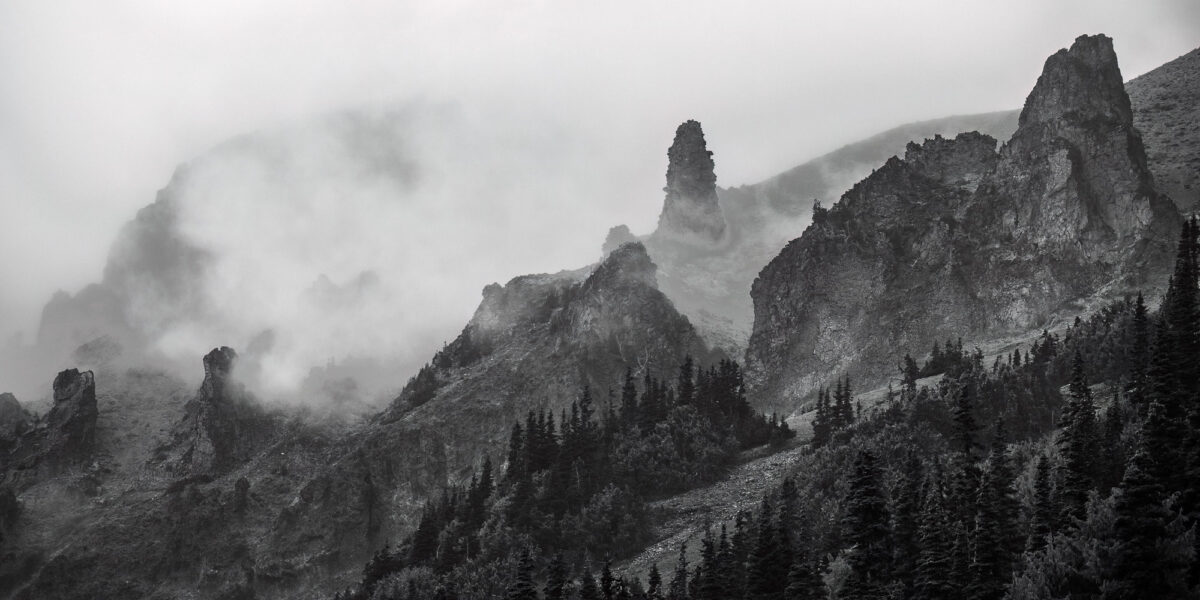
[(1137, 388), (906, 519), (866, 527), (587, 585), (766, 577), (607, 582), (995, 539), (556, 579), (966, 472), (933, 569), (822, 424), (516, 454), (910, 373), (522, 587), (685, 391), (1077, 443), (1045, 507), (678, 589), (654, 589), (1112, 452), (804, 582), (1142, 567)]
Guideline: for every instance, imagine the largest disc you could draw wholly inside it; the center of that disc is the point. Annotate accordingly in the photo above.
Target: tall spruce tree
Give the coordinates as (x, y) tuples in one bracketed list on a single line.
[(1139, 356), (766, 576), (995, 536), (1143, 566), (587, 585), (556, 579), (654, 590), (1077, 444), (934, 563), (822, 424), (1045, 511), (866, 527), (965, 477), (804, 582), (522, 587), (678, 590), (906, 519)]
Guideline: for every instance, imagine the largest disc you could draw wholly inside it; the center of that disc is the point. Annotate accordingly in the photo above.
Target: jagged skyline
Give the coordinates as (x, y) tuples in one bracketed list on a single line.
[(115, 98)]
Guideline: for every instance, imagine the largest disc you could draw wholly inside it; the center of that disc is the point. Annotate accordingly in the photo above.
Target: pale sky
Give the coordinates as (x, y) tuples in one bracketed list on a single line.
[(100, 101)]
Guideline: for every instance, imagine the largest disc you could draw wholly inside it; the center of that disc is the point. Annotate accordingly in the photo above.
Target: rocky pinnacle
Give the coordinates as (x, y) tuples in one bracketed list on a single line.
[(690, 210)]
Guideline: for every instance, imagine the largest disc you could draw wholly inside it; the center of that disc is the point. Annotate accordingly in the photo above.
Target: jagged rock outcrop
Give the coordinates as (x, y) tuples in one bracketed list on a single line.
[(957, 239), (222, 426), (14, 420), (617, 236), (691, 211), (64, 438), (534, 342)]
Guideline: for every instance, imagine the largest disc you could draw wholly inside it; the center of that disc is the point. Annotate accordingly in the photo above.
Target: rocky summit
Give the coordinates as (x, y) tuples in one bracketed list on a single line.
[(64, 438), (958, 237), (691, 210), (221, 427)]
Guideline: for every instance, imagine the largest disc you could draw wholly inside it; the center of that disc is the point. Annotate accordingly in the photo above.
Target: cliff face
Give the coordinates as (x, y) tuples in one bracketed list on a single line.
[(534, 342), (531, 345), (222, 426), (958, 239), (64, 439)]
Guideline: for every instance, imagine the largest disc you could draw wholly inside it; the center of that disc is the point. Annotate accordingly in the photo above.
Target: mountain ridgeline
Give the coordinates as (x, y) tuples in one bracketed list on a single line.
[(588, 426), (959, 237)]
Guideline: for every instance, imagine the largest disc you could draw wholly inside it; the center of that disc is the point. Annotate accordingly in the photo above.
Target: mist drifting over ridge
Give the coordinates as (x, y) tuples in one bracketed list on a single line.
[(364, 235), (314, 257)]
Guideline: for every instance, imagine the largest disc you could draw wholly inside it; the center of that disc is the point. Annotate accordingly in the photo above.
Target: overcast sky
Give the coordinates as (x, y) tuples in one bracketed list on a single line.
[(101, 100)]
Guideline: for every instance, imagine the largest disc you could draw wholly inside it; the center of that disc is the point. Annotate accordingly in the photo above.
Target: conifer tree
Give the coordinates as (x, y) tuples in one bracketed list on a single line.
[(654, 589), (556, 579), (522, 587), (678, 589), (866, 529), (1113, 455), (804, 582), (934, 564), (1143, 566), (910, 372), (1137, 388), (766, 578), (822, 424), (739, 552), (629, 399), (966, 472), (516, 454), (707, 578), (995, 539), (685, 390), (607, 581), (1045, 507), (906, 519), (1077, 443), (587, 585)]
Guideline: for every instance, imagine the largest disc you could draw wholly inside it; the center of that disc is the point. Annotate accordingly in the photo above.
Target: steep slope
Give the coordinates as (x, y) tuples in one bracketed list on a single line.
[(709, 278), (232, 495), (957, 237), (1164, 111), (531, 345)]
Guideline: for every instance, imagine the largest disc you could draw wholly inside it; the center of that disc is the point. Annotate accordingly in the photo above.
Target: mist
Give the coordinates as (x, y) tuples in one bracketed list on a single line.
[(407, 154)]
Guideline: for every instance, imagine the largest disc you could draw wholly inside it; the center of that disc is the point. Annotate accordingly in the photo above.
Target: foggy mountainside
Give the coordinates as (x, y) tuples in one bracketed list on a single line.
[(956, 359)]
